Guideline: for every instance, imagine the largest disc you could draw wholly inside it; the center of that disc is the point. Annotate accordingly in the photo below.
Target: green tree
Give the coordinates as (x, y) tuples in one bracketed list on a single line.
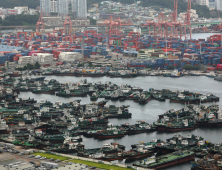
[(30, 66), (25, 68), (37, 65), (13, 3), (20, 20)]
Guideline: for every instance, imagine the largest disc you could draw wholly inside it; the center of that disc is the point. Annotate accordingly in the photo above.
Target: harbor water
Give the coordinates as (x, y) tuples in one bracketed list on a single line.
[(148, 112)]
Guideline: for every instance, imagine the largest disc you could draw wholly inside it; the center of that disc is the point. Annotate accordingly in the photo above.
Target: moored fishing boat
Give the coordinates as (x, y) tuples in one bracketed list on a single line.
[(166, 160)]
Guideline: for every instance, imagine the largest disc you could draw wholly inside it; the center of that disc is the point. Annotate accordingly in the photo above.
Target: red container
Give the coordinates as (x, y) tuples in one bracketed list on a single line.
[(15, 58), (187, 62), (174, 64), (59, 63)]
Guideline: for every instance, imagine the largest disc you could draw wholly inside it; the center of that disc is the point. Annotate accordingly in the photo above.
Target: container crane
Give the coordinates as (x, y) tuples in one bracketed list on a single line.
[(68, 29), (40, 24)]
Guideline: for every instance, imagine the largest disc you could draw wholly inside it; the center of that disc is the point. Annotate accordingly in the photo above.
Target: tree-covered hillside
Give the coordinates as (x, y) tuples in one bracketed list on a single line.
[(202, 11), (13, 3)]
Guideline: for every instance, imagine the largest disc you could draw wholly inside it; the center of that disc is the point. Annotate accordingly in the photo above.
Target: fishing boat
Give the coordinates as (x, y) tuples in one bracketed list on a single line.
[(166, 160), (211, 74), (145, 97), (218, 78)]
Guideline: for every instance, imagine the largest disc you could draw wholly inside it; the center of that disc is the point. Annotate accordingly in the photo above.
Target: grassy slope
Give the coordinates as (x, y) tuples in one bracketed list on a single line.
[(88, 163), (98, 165)]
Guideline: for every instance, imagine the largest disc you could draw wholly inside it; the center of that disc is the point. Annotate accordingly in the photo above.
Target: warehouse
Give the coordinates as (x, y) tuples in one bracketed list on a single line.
[(25, 60), (70, 56)]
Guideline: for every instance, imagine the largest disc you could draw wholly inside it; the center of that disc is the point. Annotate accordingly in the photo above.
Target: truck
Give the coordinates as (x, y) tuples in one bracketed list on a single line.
[(9, 146)]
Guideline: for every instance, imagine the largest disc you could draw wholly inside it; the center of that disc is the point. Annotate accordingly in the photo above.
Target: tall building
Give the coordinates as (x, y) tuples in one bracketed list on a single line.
[(54, 6), (212, 4), (73, 4), (63, 7), (203, 2), (45, 6), (81, 8), (218, 4)]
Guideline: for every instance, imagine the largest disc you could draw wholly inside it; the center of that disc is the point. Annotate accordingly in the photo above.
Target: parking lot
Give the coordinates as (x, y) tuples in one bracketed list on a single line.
[(8, 157)]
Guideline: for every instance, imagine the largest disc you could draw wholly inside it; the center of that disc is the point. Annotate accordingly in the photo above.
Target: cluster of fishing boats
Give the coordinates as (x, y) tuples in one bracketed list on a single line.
[(99, 90), (189, 118), (122, 73), (60, 127)]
